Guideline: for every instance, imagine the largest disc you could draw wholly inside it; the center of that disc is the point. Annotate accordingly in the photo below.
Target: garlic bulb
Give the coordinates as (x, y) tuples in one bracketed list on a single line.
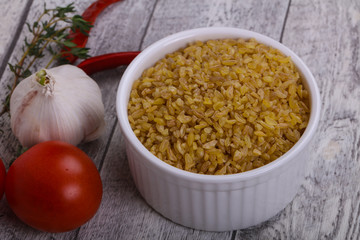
[(61, 103)]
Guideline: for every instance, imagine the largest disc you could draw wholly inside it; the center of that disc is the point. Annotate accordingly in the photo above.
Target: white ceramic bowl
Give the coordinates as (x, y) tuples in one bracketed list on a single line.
[(214, 203)]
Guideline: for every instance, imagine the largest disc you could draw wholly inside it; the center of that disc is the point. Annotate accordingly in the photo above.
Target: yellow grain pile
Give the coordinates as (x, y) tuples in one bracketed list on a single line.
[(220, 107)]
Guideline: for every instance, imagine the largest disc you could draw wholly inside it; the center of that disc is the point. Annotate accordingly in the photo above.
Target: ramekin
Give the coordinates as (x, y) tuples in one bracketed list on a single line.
[(214, 203)]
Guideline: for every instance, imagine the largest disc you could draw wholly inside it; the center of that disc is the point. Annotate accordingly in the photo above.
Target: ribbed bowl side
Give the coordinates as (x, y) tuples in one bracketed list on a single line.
[(193, 205)]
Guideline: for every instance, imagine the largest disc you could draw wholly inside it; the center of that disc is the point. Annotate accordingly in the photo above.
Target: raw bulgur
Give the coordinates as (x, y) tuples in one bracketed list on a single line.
[(220, 107)]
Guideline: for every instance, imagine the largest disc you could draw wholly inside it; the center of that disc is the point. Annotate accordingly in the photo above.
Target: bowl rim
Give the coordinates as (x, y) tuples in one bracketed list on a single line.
[(189, 36)]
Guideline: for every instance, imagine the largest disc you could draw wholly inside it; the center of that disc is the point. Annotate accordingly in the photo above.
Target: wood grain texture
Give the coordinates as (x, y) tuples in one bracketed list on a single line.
[(331, 49), (325, 34), (169, 17), (11, 16)]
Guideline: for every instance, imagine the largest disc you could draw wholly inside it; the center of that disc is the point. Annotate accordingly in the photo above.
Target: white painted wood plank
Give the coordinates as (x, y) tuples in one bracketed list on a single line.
[(264, 16), (10, 18), (120, 27), (325, 34)]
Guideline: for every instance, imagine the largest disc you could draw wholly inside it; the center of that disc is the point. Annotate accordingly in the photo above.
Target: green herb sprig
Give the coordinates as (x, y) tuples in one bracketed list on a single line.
[(50, 35)]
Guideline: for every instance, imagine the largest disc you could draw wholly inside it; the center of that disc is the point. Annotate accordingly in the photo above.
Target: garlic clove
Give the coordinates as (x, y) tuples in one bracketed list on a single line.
[(68, 107)]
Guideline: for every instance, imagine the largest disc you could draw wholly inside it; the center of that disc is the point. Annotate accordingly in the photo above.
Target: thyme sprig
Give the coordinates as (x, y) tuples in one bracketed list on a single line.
[(49, 36)]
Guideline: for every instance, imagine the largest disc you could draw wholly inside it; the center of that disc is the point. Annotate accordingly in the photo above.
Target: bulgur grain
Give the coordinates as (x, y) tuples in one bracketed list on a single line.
[(220, 107)]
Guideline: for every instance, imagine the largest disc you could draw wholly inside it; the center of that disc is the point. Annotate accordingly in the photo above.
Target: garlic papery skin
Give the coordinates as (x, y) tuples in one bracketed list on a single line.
[(67, 106)]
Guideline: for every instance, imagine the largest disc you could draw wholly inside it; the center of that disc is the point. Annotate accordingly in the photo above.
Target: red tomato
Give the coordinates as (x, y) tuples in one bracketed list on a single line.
[(2, 178), (54, 187)]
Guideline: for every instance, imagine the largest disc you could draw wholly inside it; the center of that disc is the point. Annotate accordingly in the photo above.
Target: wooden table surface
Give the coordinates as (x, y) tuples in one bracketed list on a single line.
[(324, 33)]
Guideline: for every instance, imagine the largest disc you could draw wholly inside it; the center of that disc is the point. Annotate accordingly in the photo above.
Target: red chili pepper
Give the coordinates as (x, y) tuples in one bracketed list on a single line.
[(90, 15), (106, 61), (102, 62)]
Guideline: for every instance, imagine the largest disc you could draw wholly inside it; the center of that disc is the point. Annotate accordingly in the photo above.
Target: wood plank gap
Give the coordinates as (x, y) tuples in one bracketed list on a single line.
[(285, 20), (107, 145), (16, 37), (77, 233), (147, 25), (233, 235), (354, 232)]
